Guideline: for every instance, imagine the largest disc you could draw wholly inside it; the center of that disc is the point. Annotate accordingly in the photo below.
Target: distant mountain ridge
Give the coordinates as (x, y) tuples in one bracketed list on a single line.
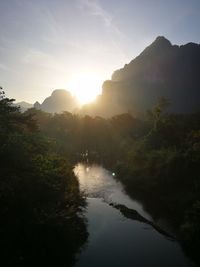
[(161, 70), (59, 101), (24, 105)]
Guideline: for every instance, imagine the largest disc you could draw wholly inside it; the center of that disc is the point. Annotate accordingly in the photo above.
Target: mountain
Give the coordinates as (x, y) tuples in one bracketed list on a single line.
[(161, 70), (24, 105), (59, 101)]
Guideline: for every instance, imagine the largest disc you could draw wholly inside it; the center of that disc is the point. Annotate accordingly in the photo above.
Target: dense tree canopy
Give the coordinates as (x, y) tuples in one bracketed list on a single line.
[(39, 196), (156, 157)]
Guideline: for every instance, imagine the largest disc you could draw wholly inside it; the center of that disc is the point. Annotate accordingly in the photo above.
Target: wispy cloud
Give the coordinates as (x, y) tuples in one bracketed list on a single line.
[(117, 37), (94, 8)]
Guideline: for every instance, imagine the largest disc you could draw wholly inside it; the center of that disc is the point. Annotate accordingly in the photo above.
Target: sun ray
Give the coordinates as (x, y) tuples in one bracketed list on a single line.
[(85, 86)]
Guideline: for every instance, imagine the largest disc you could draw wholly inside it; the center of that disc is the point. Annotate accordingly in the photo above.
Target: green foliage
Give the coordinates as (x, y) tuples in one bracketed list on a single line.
[(190, 231), (11, 119), (157, 159), (39, 196), (156, 113)]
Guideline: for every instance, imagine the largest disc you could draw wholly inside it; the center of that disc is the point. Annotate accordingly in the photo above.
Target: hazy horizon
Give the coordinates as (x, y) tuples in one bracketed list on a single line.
[(45, 45)]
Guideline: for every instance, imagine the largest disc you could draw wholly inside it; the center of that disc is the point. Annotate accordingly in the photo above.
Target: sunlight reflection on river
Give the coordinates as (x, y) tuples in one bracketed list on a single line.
[(113, 239), (97, 182)]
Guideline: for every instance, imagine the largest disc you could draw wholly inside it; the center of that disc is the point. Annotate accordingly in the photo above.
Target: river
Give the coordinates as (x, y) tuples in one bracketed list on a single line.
[(115, 240)]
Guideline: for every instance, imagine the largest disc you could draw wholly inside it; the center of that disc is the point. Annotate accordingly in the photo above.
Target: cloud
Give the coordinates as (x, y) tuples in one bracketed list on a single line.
[(117, 37), (95, 9)]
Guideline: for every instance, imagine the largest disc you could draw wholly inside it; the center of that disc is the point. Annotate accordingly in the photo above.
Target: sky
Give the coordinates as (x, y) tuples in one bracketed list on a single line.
[(51, 44)]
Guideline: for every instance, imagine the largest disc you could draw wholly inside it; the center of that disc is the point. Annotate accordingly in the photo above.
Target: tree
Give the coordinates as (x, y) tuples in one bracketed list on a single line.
[(2, 93), (158, 110), (11, 119), (39, 196)]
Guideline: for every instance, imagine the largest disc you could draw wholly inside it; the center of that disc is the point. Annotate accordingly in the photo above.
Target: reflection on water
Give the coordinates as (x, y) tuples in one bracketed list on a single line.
[(97, 182), (113, 239)]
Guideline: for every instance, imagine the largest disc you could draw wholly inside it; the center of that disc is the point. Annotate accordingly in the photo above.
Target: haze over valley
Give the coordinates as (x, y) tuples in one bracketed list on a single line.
[(161, 70)]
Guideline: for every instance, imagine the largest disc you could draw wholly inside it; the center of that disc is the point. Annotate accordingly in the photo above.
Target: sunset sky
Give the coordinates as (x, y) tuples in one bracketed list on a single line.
[(49, 44)]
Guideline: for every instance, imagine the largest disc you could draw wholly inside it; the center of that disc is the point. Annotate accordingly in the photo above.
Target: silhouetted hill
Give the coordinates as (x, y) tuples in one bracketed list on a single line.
[(161, 70), (24, 105), (60, 100)]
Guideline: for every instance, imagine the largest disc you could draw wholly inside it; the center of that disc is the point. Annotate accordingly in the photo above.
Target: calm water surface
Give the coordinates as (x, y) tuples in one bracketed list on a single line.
[(113, 239)]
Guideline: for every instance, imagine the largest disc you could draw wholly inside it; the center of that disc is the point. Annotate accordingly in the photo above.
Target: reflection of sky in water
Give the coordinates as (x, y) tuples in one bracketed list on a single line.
[(115, 241), (97, 182)]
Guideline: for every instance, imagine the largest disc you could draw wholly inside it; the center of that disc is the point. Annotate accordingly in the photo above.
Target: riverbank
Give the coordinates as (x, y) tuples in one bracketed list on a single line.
[(121, 232), (156, 157)]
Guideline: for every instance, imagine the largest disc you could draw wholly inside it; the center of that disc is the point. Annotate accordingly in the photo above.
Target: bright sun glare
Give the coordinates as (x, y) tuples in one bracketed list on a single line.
[(85, 87)]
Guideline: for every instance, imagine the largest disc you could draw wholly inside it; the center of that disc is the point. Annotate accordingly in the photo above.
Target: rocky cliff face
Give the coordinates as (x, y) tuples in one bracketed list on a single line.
[(161, 70)]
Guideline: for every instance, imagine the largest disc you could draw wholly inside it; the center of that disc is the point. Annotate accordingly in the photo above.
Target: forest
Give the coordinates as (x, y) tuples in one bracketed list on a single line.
[(156, 157), (39, 195)]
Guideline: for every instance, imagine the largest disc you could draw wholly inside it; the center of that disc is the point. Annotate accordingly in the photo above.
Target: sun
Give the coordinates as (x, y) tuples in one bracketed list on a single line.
[(85, 86)]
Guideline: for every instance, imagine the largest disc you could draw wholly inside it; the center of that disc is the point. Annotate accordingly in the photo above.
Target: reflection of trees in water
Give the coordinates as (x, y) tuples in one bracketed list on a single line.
[(134, 215), (156, 156)]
